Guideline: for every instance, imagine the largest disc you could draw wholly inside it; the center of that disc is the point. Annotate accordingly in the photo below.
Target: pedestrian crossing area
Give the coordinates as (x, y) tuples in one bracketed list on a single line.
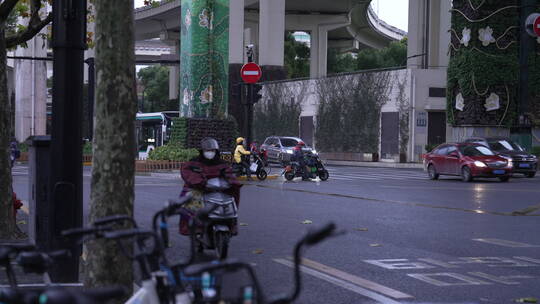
[(19, 170), (376, 174)]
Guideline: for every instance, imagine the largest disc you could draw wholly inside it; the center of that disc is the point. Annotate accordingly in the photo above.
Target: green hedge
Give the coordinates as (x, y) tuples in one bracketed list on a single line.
[(172, 152), (179, 131)]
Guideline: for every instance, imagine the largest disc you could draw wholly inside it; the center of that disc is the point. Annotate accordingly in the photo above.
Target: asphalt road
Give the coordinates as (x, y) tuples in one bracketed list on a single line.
[(408, 240)]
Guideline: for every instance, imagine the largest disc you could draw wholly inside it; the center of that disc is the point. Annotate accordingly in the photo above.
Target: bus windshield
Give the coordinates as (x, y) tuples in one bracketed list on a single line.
[(153, 130)]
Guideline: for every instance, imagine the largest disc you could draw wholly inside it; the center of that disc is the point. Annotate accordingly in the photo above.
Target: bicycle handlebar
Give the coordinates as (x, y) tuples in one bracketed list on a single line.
[(316, 236), (39, 262), (115, 219)]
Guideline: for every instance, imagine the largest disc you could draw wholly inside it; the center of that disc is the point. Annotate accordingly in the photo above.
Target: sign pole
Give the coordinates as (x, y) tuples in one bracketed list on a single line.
[(250, 73)]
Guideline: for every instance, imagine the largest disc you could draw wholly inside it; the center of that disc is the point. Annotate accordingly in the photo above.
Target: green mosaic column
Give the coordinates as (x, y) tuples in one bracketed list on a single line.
[(204, 57)]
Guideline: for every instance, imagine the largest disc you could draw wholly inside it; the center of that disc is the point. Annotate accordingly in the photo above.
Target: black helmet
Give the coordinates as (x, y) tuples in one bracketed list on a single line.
[(209, 144)]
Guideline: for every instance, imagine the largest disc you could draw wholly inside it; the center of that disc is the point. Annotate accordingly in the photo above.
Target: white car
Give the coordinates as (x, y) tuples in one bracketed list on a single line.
[(280, 148)]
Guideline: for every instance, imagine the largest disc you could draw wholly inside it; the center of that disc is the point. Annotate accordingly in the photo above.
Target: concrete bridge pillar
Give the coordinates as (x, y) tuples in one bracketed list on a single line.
[(174, 73), (236, 31), (272, 32), (319, 45), (30, 91)]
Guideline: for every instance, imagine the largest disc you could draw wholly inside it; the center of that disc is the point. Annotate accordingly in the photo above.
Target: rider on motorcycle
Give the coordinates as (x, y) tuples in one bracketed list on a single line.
[(198, 171), (298, 156), (240, 155)]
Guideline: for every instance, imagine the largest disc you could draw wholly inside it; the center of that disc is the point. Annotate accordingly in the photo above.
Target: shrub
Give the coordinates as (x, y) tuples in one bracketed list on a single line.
[(23, 147), (87, 148), (172, 152), (430, 147)]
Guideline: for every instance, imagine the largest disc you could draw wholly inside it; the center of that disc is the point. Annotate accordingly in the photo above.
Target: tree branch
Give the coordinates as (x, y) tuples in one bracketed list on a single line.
[(32, 29), (6, 7)]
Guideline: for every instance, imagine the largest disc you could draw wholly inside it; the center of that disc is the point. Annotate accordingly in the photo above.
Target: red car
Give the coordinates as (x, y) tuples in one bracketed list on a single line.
[(467, 160)]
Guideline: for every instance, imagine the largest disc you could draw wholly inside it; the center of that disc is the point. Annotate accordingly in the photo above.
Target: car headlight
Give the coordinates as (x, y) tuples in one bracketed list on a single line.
[(510, 163), (314, 152), (289, 151), (479, 164)]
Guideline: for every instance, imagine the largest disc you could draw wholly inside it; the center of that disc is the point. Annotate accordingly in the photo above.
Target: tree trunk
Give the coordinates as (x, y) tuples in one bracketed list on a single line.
[(7, 219), (112, 188)]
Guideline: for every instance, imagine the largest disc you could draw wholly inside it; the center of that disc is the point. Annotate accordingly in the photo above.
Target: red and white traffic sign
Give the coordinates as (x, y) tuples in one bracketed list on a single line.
[(251, 72), (536, 26), (532, 24)]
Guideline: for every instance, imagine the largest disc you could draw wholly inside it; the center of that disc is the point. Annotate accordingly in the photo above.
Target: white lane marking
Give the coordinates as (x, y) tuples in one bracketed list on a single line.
[(506, 280), (394, 264), (340, 178), (356, 280), (341, 283), (451, 279), (438, 263), (527, 259), (505, 243), (493, 262)]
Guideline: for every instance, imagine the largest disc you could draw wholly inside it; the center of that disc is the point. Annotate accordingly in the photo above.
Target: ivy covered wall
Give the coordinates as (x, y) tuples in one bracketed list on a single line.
[(349, 109), (483, 72), (278, 114)]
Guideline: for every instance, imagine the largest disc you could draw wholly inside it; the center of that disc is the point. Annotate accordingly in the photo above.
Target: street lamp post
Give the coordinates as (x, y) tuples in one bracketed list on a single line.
[(65, 182)]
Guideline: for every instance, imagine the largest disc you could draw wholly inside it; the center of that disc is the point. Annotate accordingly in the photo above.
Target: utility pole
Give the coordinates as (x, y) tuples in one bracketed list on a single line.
[(65, 182), (526, 44)]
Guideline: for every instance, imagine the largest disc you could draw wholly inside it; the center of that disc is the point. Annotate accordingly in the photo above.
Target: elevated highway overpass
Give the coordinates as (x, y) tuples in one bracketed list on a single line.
[(342, 24)]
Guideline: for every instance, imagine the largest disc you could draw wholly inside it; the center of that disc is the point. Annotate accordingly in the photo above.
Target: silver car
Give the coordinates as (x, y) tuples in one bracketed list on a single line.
[(280, 148)]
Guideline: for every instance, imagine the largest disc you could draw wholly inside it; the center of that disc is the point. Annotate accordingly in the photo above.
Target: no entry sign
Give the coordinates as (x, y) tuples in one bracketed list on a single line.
[(251, 72), (536, 26), (533, 25)]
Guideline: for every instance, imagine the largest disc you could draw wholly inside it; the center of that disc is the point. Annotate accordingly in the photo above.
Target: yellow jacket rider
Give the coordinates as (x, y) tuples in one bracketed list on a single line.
[(239, 152)]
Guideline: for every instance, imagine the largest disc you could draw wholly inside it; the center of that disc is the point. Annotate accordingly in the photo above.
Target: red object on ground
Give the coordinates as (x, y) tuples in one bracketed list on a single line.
[(251, 72), (17, 204)]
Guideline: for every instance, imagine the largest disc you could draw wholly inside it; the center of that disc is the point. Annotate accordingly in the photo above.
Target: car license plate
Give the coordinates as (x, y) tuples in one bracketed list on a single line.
[(499, 172), (524, 165)]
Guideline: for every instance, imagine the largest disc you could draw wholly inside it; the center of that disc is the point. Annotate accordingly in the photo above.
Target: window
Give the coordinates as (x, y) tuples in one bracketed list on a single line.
[(476, 151), (441, 150), (450, 150), (288, 142), (504, 145), (437, 92)]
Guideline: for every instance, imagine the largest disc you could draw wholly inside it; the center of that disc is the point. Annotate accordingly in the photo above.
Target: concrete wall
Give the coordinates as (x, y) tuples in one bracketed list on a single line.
[(428, 34), (30, 90), (310, 100)]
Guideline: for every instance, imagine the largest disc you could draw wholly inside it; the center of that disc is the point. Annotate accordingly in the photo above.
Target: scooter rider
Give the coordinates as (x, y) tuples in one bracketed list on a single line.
[(240, 155), (197, 171), (298, 155)]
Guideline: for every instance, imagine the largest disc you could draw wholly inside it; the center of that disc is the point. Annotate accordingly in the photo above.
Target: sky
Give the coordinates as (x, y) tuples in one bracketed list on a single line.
[(393, 12)]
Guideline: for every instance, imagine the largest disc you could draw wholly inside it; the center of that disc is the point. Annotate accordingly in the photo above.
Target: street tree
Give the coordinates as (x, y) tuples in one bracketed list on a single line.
[(112, 186), (11, 36), (296, 57), (155, 81)]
